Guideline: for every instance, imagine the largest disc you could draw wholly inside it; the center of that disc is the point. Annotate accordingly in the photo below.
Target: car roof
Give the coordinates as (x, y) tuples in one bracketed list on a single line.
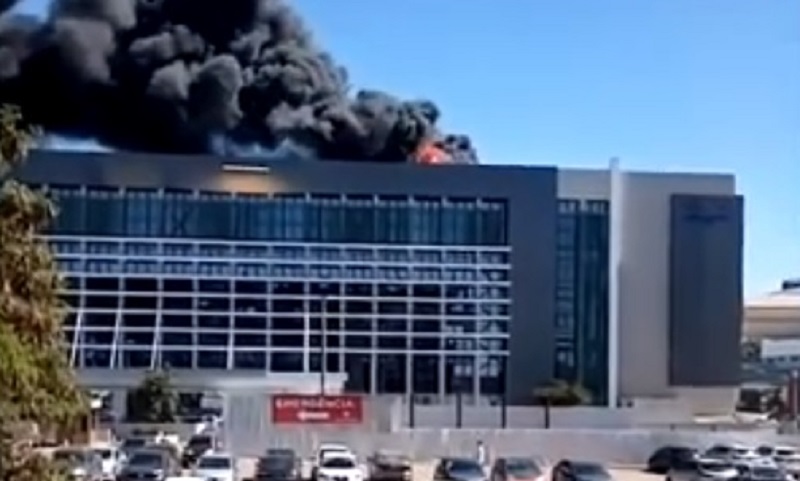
[(340, 454), (333, 447), (217, 454)]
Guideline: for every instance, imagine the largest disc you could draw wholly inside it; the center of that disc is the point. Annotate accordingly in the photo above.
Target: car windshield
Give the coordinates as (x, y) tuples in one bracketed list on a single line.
[(765, 451), (714, 466), (131, 443), (331, 451), (766, 472), (142, 459), (105, 453), (719, 451), (214, 462), (590, 469), (200, 442), (522, 467), (385, 457), (338, 463), (277, 463), (785, 452), (464, 467), (288, 453), (70, 457)]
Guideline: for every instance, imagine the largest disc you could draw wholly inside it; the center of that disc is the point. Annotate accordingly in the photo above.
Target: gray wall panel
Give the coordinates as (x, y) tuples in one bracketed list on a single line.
[(705, 321)]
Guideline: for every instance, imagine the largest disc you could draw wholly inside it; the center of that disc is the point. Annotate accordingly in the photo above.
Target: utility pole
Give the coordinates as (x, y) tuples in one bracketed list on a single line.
[(323, 348)]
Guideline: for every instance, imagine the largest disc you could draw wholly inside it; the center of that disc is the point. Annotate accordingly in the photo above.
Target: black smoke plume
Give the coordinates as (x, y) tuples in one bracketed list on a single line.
[(189, 76)]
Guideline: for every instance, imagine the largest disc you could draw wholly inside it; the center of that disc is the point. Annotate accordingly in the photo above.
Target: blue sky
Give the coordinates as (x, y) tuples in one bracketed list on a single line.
[(700, 85)]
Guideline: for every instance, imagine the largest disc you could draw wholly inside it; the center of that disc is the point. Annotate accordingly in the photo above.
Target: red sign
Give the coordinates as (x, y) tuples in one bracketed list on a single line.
[(317, 409)]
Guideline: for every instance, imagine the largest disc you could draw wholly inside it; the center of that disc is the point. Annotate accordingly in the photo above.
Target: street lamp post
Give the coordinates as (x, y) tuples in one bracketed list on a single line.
[(323, 348)]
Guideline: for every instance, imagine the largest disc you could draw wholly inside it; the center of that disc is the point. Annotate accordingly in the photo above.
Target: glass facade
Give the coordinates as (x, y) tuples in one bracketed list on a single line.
[(581, 352), (407, 294), (282, 217)]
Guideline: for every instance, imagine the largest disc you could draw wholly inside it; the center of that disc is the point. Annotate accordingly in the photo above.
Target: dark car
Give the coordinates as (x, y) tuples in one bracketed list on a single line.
[(389, 466), (666, 458), (568, 470), (198, 445), (149, 465), (278, 465), (458, 469), (518, 469), (79, 464)]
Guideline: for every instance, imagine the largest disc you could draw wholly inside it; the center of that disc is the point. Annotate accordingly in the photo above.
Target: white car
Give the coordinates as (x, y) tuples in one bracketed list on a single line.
[(112, 460), (216, 466), (340, 467), (325, 451)]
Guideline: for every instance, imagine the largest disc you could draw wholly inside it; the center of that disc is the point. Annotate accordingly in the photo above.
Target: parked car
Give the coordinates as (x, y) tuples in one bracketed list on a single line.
[(664, 459), (80, 464), (385, 465), (133, 443), (518, 469), (324, 451), (703, 469), (217, 466), (340, 467), (278, 465), (569, 470), (763, 469), (111, 460), (149, 464), (731, 452), (458, 469)]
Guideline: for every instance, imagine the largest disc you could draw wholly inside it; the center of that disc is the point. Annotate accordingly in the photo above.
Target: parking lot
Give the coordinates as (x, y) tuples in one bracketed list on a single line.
[(423, 471)]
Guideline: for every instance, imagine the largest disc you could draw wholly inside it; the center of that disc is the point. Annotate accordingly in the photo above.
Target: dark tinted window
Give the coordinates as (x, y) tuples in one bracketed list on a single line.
[(200, 442), (280, 452), (214, 462), (590, 469), (522, 467), (714, 466), (277, 463), (71, 457), (764, 450), (766, 472), (143, 459), (338, 463), (131, 443), (464, 466)]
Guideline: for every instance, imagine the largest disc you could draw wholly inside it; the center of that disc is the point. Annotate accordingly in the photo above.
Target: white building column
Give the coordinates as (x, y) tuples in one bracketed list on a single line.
[(616, 209)]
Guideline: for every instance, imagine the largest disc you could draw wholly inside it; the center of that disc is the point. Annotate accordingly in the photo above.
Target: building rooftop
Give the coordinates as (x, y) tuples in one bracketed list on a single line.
[(782, 299)]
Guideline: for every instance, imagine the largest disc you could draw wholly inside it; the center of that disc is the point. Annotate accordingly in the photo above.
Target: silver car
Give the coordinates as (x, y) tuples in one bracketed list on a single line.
[(703, 469)]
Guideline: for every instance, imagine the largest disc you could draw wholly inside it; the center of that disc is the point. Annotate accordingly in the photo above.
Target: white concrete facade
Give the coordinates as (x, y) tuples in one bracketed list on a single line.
[(639, 277)]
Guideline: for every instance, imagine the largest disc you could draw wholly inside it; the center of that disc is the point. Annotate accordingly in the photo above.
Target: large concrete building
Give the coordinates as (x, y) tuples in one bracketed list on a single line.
[(432, 280)]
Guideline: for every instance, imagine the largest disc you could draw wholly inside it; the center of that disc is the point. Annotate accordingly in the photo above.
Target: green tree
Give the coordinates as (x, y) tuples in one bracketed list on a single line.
[(39, 391), (154, 400)]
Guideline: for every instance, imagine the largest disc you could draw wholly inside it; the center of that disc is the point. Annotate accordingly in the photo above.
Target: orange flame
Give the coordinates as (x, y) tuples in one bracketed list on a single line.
[(430, 154)]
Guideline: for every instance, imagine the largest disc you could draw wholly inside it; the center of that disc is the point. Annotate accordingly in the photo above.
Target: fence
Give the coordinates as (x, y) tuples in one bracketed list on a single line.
[(589, 433)]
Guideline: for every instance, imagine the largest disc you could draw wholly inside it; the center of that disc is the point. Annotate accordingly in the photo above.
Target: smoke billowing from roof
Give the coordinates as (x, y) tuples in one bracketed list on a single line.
[(189, 76)]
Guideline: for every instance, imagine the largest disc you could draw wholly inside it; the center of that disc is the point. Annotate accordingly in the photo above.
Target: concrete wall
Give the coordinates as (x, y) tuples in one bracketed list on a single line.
[(626, 447), (248, 431)]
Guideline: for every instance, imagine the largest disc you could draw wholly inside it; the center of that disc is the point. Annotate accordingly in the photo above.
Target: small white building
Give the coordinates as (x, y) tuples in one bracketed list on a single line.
[(781, 353)]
